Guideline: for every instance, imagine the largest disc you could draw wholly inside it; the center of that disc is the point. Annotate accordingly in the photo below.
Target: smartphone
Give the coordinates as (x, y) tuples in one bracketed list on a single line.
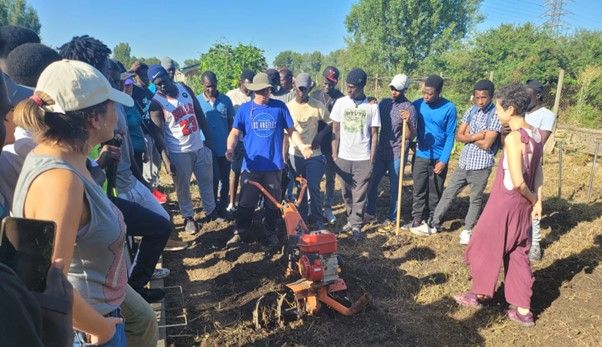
[(27, 246)]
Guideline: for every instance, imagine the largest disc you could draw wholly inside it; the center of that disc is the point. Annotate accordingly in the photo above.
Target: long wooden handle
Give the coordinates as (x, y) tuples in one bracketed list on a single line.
[(400, 178)]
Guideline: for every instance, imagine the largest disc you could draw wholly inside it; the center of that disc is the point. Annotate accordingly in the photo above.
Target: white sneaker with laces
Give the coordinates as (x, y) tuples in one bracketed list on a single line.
[(465, 236), (423, 230)]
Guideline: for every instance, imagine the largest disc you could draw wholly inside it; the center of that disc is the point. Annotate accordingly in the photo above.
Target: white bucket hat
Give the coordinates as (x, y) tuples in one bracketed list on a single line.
[(75, 85)]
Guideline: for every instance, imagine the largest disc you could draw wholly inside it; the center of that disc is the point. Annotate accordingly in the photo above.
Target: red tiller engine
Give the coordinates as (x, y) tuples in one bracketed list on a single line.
[(318, 260)]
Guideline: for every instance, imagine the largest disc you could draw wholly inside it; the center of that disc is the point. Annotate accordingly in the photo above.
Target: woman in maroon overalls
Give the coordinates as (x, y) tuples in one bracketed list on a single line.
[(503, 233)]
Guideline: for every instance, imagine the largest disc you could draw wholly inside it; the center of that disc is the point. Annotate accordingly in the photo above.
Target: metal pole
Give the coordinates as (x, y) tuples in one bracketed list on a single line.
[(560, 150), (591, 176)]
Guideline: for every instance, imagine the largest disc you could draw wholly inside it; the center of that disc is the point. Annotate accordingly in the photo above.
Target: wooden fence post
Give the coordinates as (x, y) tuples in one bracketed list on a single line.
[(549, 146), (491, 76)]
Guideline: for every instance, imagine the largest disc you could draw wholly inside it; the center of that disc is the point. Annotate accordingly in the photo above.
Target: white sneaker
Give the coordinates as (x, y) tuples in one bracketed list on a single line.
[(423, 230), (231, 208), (465, 236)]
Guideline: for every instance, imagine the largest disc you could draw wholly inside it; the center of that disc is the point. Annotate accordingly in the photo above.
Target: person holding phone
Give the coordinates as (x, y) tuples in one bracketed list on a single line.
[(71, 111)]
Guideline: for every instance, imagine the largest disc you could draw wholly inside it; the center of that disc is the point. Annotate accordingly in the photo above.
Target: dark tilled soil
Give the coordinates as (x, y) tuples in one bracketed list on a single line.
[(410, 281)]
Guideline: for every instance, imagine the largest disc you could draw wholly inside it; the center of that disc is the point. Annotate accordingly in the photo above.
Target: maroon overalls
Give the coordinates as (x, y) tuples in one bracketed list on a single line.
[(503, 233)]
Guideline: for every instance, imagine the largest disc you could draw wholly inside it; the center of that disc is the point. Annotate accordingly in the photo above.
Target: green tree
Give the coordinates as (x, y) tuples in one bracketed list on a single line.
[(228, 62), (190, 62), (17, 12), (396, 35), (289, 59), (123, 53)]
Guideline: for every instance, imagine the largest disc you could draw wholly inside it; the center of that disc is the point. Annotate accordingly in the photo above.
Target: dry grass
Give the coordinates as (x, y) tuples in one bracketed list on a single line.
[(410, 281)]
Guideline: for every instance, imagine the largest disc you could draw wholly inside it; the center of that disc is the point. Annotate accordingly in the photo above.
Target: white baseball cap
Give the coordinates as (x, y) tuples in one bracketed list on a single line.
[(400, 82), (75, 85)]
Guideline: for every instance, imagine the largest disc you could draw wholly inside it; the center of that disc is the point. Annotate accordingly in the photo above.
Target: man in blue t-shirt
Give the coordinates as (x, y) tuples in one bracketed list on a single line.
[(219, 112), (262, 122), (437, 119)]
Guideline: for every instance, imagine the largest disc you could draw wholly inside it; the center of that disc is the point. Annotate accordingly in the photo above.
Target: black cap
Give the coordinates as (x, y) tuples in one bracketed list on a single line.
[(357, 77), (536, 86), (331, 73), (434, 81)]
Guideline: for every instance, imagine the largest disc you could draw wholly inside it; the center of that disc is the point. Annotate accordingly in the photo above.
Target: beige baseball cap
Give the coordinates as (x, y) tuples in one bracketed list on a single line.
[(75, 85)]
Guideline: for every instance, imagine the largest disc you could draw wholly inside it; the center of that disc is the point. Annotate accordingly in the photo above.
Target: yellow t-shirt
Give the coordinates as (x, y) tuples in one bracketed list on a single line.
[(306, 117)]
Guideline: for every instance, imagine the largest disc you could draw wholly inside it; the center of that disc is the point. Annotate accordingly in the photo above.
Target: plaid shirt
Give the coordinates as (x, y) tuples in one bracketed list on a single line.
[(473, 157)]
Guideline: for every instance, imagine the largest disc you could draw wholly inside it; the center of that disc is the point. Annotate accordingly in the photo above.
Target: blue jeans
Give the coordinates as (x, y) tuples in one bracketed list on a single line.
[(118, 339), (221, 174), (378, 171), (312, 169)]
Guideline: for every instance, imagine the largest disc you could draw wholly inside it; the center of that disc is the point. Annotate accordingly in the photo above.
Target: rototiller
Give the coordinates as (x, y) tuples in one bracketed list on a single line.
[(313, 261)]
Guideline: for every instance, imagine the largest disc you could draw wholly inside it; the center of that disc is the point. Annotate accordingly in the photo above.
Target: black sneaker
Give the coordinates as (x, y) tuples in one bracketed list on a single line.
[(151, 295)]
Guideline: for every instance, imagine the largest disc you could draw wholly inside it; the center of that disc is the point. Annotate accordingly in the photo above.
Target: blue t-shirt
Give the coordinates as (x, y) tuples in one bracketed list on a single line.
[(219, 116), (436, 129), (263, 129)]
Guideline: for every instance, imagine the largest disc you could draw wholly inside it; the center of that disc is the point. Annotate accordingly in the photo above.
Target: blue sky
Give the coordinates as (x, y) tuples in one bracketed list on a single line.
[(184, 29)]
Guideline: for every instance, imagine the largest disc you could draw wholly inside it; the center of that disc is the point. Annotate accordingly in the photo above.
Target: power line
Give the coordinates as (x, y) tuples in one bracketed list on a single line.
[(555, 12)]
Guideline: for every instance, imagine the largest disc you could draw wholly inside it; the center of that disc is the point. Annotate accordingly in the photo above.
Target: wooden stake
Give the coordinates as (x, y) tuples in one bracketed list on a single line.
[(400, 179), (549, 146)]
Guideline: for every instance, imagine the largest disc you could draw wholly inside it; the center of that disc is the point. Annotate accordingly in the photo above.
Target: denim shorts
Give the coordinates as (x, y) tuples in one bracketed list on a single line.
[(118, 339)]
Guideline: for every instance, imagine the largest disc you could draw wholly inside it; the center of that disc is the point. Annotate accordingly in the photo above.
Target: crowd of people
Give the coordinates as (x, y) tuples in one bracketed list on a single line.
[(84, 140)]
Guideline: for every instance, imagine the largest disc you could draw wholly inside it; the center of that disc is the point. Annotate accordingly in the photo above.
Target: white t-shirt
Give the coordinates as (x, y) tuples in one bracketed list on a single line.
[(542, 118), (356, 122), (180, 131)]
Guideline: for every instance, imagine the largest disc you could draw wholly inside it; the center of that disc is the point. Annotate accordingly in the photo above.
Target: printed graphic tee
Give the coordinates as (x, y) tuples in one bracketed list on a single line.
[(356, 123), (263, 129)]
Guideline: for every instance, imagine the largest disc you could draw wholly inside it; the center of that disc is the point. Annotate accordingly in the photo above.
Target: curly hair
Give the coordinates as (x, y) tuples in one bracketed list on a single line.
[(87, 49), (515, 95), (26, 62), (14, 36)]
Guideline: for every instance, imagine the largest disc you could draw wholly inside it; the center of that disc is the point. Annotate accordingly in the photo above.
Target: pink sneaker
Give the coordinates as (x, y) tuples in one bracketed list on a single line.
[(469, 300), (525, 320)]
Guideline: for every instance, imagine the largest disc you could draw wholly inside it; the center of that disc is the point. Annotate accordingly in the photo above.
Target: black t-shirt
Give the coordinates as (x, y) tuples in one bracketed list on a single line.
[(328, 101), (142, 99)]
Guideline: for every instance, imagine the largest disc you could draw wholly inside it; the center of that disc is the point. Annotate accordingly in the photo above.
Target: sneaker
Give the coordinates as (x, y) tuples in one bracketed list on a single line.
[(175, 245), (357, 235), (346, 228), (231, 208), (160, 197), (329, 216), (468, 300), (524, 320), (535, 252), (369, 218), (151, 295), (412, 224), (235, 241), (160, 273), (190, 225), (465, 236), (423, 230)]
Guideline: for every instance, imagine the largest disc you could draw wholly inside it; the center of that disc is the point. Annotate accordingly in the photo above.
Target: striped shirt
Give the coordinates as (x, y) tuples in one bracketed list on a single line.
[(473, 157)]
